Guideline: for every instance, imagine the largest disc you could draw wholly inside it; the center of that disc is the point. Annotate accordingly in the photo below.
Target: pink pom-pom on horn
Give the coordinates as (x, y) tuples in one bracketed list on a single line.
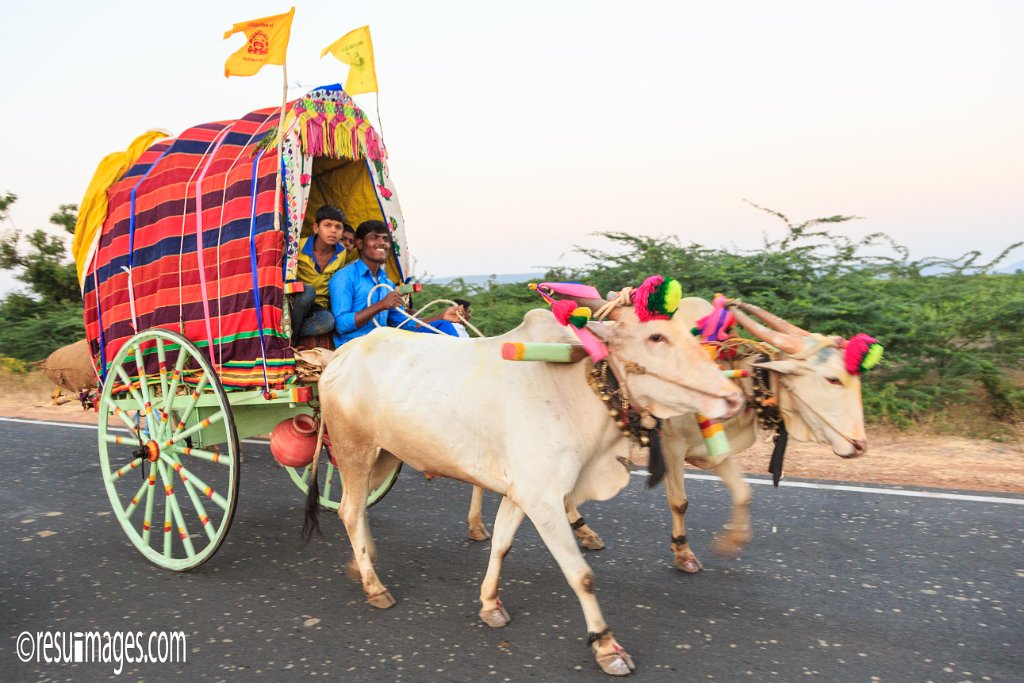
[(563, 310), (640, 296), (856, 349)]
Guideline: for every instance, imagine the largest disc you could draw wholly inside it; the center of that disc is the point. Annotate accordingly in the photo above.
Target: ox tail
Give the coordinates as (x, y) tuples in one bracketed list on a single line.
[(311, 523)]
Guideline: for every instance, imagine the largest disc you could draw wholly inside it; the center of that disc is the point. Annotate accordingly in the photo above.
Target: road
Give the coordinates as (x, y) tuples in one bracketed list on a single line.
[(837, 585)]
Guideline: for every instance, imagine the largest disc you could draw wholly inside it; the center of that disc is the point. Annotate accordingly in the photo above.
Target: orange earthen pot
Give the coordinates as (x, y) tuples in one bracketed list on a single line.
[(293, 441)]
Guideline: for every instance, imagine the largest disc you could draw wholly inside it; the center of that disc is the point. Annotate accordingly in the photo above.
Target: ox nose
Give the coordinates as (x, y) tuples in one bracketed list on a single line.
[(734, 403), (860, 447)]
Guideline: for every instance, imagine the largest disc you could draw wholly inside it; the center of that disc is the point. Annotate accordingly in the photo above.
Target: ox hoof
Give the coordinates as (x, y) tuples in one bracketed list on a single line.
[(478, 533), (591, 541), (615, 662), (495, 618), (729, 545), (382, 600), (689, 564)]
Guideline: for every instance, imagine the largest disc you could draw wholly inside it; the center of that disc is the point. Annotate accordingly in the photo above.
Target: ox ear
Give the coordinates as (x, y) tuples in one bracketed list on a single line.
[(602, 330), (783, 367)]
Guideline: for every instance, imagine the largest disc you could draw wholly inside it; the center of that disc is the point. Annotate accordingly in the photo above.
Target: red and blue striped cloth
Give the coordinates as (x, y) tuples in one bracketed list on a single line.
[(214, 275)]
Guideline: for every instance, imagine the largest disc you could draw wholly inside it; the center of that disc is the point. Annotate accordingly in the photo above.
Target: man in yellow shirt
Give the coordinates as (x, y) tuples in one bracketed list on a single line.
[(320, 256)]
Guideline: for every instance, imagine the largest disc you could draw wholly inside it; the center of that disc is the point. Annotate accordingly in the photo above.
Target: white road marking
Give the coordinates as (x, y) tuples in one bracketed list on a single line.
[(862, 489), (643, 473), (81, 426)]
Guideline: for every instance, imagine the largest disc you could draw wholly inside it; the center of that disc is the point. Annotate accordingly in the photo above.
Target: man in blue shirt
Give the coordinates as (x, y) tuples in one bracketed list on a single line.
[(350, 287)]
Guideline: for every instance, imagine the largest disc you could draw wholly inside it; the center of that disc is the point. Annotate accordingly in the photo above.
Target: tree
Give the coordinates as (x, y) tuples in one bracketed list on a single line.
[(44, 265), (49, 315)]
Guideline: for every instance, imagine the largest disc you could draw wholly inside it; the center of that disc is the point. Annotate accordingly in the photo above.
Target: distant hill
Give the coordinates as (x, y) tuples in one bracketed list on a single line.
[(482, 280), (1012, 268)]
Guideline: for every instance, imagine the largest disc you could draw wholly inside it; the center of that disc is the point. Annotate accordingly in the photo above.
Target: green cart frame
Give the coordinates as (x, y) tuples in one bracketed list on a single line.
[(170, 454)]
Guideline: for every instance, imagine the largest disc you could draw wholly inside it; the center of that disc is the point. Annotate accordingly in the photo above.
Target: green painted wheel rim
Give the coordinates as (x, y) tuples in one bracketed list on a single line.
[(330, 496), (178, 510)]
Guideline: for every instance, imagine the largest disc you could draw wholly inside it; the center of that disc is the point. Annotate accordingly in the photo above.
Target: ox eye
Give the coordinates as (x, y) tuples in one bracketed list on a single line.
[(834, 380), (657, 338)]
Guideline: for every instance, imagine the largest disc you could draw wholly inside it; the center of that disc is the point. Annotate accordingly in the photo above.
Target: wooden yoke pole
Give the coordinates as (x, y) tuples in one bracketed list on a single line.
[(280, 145)]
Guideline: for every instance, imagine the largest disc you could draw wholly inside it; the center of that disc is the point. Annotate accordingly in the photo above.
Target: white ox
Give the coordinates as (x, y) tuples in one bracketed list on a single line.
[(820, 401), (532, 432)]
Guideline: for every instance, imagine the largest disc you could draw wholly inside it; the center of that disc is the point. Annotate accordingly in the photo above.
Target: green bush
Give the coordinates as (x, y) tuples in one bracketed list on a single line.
[(952, 329)]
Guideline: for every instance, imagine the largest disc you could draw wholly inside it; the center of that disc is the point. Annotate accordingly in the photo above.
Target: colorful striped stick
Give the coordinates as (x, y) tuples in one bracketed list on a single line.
[(714, 435), (735, 374), (543, 351)]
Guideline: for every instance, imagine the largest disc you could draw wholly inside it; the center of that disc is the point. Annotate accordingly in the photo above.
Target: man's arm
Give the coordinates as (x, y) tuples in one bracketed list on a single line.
[(349, 314)]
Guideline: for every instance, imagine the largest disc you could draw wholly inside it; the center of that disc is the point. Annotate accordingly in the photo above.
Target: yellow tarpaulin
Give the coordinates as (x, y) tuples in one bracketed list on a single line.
[(92, 212)]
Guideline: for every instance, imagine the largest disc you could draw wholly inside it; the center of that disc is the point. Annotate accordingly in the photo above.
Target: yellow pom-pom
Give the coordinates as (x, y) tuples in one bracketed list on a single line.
[(872, 357), (673, 294), (582, 311), (532, 286)]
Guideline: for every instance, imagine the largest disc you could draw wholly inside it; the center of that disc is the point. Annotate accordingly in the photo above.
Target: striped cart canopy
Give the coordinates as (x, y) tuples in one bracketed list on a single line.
[(189, 242)]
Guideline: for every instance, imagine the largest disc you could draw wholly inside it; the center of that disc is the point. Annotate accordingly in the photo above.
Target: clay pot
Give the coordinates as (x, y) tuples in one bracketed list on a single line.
[(293, 441)]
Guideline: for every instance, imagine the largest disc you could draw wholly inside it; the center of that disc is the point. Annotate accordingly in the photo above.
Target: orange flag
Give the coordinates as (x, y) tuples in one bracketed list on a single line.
[(266, 42)]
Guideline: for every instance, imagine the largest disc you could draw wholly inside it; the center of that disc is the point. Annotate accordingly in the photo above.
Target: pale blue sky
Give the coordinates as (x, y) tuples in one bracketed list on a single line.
[(517, 129)]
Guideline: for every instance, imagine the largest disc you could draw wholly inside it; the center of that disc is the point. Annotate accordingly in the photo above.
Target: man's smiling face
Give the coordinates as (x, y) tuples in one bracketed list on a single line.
[(374, 247)]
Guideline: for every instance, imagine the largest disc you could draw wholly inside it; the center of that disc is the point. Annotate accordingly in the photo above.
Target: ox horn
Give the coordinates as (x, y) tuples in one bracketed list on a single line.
[(787, 343), (774, 321)]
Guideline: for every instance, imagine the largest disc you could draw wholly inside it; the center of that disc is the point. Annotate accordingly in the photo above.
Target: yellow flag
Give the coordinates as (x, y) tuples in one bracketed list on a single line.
[(266, 42), (356, 49)]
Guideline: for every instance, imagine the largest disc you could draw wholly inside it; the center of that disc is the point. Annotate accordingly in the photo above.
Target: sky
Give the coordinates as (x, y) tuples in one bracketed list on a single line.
[(516, 131)]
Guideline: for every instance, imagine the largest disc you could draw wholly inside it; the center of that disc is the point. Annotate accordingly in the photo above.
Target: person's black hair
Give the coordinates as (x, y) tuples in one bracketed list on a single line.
[(348, 228), (462, 302), (371, 227), (330, 213)]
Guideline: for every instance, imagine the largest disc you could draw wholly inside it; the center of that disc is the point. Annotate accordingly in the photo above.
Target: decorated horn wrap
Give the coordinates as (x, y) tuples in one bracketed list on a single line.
[(862, 352), (569, 313), (657, 298)]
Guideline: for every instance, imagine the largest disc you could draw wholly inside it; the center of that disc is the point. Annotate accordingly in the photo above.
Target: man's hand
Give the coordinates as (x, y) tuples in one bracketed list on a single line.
[(392, 300), (451, 314)]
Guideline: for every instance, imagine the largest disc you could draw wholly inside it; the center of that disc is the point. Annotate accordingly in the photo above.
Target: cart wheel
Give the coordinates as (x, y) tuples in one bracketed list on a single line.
[(175, 427), (331, 486)]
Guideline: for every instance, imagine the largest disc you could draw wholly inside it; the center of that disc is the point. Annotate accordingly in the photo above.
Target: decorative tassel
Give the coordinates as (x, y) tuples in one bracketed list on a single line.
[(715, 325), (863, 352), (657, 298), (778, 454)]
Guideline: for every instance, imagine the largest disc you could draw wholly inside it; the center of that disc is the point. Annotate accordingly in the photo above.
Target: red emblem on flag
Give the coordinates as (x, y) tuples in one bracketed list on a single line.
[(258, 43)]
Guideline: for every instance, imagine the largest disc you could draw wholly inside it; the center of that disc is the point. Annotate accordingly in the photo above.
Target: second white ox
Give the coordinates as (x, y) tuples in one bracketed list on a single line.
[(534, 432), (819, 401)]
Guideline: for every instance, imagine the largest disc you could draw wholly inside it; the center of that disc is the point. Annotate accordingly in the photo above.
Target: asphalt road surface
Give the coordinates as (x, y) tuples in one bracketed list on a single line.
[(837, 585)]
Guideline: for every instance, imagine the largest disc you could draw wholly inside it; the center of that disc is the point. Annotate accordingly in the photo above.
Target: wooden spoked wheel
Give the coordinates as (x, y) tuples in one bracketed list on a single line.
[(169, 451), (331, 485)]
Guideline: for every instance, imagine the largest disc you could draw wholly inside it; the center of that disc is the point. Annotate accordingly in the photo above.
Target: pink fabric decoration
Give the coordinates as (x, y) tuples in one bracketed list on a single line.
[(594, 347), (714, 326), (640, 296), (562, 310), (572, 289)]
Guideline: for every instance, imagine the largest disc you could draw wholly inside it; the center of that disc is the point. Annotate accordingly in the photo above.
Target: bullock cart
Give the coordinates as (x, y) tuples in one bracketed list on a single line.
[(186, 249)]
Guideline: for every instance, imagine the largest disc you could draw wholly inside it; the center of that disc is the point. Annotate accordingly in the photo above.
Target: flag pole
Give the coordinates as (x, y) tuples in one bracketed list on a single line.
[(380, 121), (280, 145)]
